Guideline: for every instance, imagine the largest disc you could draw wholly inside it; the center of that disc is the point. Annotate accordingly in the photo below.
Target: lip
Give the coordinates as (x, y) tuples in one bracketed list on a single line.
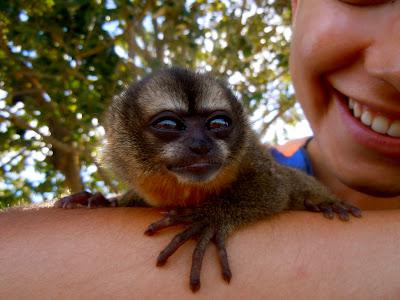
[(197, 168), (363, 135)]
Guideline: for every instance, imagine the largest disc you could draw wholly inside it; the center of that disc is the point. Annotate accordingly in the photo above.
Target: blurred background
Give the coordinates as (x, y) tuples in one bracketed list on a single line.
[(61, 61)]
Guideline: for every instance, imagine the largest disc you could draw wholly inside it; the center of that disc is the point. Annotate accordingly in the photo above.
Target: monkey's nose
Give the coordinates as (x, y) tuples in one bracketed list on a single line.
[(200, 147)]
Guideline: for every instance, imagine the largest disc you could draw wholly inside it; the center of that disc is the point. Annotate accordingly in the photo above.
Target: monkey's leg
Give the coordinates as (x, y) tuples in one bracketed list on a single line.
[(130, 198), (200, 228)]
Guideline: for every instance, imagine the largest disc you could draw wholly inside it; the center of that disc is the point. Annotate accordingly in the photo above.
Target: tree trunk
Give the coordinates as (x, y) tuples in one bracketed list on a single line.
[(72, 172)]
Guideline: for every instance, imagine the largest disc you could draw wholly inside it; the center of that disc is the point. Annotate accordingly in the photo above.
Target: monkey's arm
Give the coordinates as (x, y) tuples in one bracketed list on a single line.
[(309, 194)]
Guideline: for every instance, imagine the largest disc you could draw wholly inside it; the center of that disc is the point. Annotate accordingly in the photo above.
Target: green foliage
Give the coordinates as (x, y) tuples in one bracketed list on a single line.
[(62, 61)]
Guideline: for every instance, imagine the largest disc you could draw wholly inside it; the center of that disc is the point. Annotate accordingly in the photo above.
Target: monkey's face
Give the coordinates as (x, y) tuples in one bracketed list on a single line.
[(193, 147), (177, 123)]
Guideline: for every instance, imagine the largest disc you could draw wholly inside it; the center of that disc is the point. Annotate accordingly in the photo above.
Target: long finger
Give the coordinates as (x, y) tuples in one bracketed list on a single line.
[(176, 242)]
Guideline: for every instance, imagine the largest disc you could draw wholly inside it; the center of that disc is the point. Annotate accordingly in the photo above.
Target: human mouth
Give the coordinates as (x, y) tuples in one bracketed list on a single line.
[(379, 143), (376, 121)]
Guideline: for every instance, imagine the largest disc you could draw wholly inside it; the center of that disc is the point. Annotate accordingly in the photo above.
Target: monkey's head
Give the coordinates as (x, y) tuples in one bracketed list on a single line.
[(178, 125)]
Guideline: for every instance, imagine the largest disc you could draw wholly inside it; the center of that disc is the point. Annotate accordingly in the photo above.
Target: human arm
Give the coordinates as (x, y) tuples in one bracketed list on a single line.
[(54, 253)]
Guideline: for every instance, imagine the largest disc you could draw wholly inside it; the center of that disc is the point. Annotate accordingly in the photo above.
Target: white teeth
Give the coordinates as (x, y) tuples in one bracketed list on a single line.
[(380, 124), (376, 122), (394, 129), (351, 103), (366, 118), (357, 110)]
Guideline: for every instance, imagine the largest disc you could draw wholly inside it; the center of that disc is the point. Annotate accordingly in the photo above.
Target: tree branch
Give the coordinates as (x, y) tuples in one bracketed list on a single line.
[(95, 50), (19, 153), (62, 146), (157, 42), (133, 47), (25, 92), (265, 126), (17, 121)]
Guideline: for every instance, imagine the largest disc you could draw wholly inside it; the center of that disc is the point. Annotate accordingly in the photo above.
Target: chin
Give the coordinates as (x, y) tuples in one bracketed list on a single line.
[(198, 173), (196, 178), (377, 191), (376, 188)]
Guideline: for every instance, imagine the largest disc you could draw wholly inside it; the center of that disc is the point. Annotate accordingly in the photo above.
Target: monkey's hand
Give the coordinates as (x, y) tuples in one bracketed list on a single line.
[(207, 224), (308, 193), (329, 208), (85, 199), (213, 223)]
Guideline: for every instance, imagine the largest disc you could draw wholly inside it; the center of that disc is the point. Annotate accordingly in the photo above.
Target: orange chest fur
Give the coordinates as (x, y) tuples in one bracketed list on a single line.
[(163, 189), (166, 191)]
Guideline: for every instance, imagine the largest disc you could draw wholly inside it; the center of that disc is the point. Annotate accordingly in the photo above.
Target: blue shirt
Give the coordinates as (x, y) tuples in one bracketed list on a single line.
[(299, 160)]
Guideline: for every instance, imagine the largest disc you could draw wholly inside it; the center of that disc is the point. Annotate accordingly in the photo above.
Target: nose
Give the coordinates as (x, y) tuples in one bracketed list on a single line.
[(382, 59), (200, 146)]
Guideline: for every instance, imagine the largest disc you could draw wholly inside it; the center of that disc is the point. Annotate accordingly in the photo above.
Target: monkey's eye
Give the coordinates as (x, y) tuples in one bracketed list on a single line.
[(168, 124), (218, 123)]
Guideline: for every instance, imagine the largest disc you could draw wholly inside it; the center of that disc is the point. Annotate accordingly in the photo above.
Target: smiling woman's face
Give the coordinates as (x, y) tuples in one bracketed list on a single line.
[(349, 51)]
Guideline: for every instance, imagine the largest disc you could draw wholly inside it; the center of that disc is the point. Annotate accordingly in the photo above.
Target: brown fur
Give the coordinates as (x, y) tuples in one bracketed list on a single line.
[(182, 139), (248, 176), (129, 143)]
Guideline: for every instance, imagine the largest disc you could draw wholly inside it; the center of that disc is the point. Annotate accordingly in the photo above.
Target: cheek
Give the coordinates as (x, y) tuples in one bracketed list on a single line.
[(222, 149), (173, 151), (327, 36), (150, 148)]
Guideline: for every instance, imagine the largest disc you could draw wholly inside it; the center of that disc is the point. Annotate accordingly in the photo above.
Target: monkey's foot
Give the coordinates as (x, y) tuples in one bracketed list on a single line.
[(203, 231), (85, 199), (329, 208)]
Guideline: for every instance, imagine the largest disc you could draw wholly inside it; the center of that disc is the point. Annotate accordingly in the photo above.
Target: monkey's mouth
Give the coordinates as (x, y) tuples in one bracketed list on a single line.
[(196, 171)]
